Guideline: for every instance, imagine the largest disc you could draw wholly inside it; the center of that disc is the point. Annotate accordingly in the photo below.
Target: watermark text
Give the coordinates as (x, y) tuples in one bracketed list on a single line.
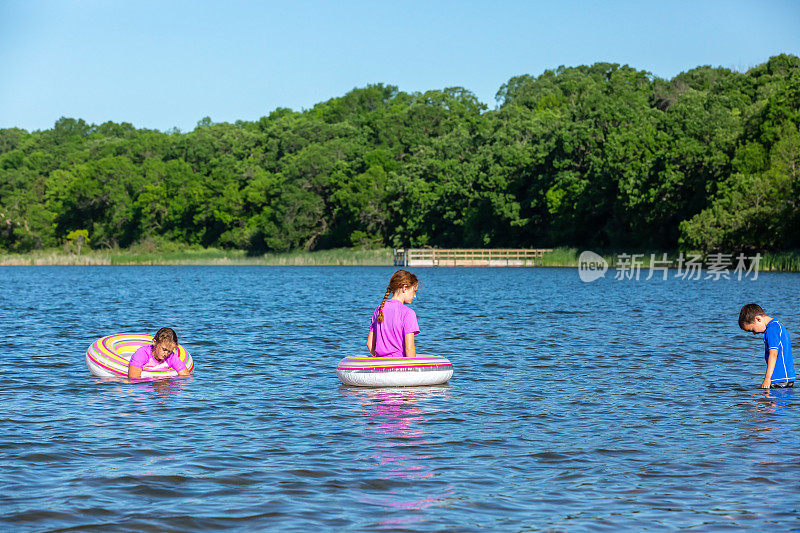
[(715, 266)]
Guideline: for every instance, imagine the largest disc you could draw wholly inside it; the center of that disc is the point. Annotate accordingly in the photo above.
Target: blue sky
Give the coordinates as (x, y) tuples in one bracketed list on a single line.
[(163, 64)]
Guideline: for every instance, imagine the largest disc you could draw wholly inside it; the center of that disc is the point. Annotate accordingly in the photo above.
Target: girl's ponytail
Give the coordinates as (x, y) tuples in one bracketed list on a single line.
[(385, 297)]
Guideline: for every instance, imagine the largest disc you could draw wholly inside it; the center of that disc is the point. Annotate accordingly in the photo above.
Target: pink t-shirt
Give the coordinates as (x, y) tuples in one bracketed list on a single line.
[(143, 357), (390, 334)]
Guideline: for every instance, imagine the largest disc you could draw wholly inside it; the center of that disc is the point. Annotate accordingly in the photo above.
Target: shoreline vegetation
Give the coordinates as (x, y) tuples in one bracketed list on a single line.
[(201, 256), (593, 157), (788, 261)]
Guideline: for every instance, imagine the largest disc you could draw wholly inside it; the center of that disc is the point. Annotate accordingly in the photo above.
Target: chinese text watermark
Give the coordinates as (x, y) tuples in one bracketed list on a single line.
[(715, 266)]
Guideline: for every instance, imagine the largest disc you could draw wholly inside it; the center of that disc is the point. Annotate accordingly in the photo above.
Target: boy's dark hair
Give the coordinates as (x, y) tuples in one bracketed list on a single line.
[(749, 313)]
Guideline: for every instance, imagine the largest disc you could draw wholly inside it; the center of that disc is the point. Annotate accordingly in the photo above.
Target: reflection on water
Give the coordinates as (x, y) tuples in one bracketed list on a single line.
[(150, 389), (160, 386), (396, 434), (775, 401)]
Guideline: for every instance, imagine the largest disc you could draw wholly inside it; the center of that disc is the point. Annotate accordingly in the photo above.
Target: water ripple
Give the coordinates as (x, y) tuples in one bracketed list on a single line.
[(605, 406)]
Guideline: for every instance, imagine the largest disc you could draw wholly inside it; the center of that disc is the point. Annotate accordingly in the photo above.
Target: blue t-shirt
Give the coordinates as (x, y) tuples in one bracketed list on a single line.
[(777, 338)]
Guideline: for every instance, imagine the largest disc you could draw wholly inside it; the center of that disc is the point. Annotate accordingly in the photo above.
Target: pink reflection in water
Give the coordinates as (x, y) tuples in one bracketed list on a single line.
[(396, 424)]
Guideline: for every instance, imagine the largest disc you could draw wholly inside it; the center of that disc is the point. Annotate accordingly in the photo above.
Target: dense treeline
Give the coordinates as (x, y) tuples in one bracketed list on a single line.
[(602, 156)]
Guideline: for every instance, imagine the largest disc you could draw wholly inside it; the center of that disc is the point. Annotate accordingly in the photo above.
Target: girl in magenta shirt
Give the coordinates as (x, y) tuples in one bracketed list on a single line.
[(161, 351), (391, 333)]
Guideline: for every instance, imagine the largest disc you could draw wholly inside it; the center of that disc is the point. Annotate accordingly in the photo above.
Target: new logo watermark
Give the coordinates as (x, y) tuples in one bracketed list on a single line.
[(591, 266), (716, 266)]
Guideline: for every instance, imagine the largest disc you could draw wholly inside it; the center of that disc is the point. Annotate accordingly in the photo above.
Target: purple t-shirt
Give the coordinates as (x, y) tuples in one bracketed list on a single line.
[(143, 357), (398, 320)]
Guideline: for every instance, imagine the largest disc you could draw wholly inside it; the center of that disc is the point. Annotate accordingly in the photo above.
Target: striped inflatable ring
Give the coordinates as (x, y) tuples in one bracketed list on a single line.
[(366, 371), (109, 356)]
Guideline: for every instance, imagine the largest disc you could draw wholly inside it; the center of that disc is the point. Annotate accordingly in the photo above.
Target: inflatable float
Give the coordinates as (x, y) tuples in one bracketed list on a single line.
[(366, 371), (109, 356)]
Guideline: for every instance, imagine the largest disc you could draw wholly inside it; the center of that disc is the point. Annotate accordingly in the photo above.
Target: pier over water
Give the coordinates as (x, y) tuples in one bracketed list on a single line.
[(499, 257)]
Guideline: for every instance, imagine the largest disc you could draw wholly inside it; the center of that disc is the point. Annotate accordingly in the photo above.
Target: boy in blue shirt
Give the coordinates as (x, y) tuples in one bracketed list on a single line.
[(777, 348)]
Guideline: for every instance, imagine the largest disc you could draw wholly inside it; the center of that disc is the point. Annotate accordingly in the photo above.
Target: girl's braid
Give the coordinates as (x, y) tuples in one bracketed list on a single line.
[(385, 296)]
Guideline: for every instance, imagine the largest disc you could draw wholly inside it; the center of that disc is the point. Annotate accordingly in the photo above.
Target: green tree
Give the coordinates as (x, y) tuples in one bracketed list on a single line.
[(77, 238)]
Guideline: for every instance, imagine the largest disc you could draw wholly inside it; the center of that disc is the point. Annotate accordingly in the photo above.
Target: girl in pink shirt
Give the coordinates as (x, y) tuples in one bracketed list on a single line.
[(391, 333), (161, 352)]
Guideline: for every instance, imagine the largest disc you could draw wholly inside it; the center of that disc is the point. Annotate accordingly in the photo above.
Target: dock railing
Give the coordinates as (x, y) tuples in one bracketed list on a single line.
[(500, 257)]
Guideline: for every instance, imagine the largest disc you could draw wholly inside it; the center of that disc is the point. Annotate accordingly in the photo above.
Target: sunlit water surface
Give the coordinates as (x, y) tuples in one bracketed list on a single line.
[(574, 406)]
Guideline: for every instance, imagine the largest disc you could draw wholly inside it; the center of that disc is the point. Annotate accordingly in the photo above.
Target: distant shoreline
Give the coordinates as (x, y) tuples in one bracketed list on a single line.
[(788, 261), (200, 257)]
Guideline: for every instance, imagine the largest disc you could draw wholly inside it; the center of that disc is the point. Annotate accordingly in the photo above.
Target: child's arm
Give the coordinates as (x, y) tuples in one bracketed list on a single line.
[(773, 356), (177, 365), (137, 361), (371, 343), (411, 350)]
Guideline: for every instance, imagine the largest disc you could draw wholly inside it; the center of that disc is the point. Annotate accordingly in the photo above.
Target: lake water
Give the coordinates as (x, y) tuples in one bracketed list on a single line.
[(618, 404)]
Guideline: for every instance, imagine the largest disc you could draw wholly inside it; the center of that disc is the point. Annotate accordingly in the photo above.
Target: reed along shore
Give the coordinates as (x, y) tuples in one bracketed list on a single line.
[(788, 261)]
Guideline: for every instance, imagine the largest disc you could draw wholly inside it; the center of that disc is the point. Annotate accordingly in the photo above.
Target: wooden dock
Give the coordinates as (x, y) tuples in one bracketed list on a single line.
[(498, 257)]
